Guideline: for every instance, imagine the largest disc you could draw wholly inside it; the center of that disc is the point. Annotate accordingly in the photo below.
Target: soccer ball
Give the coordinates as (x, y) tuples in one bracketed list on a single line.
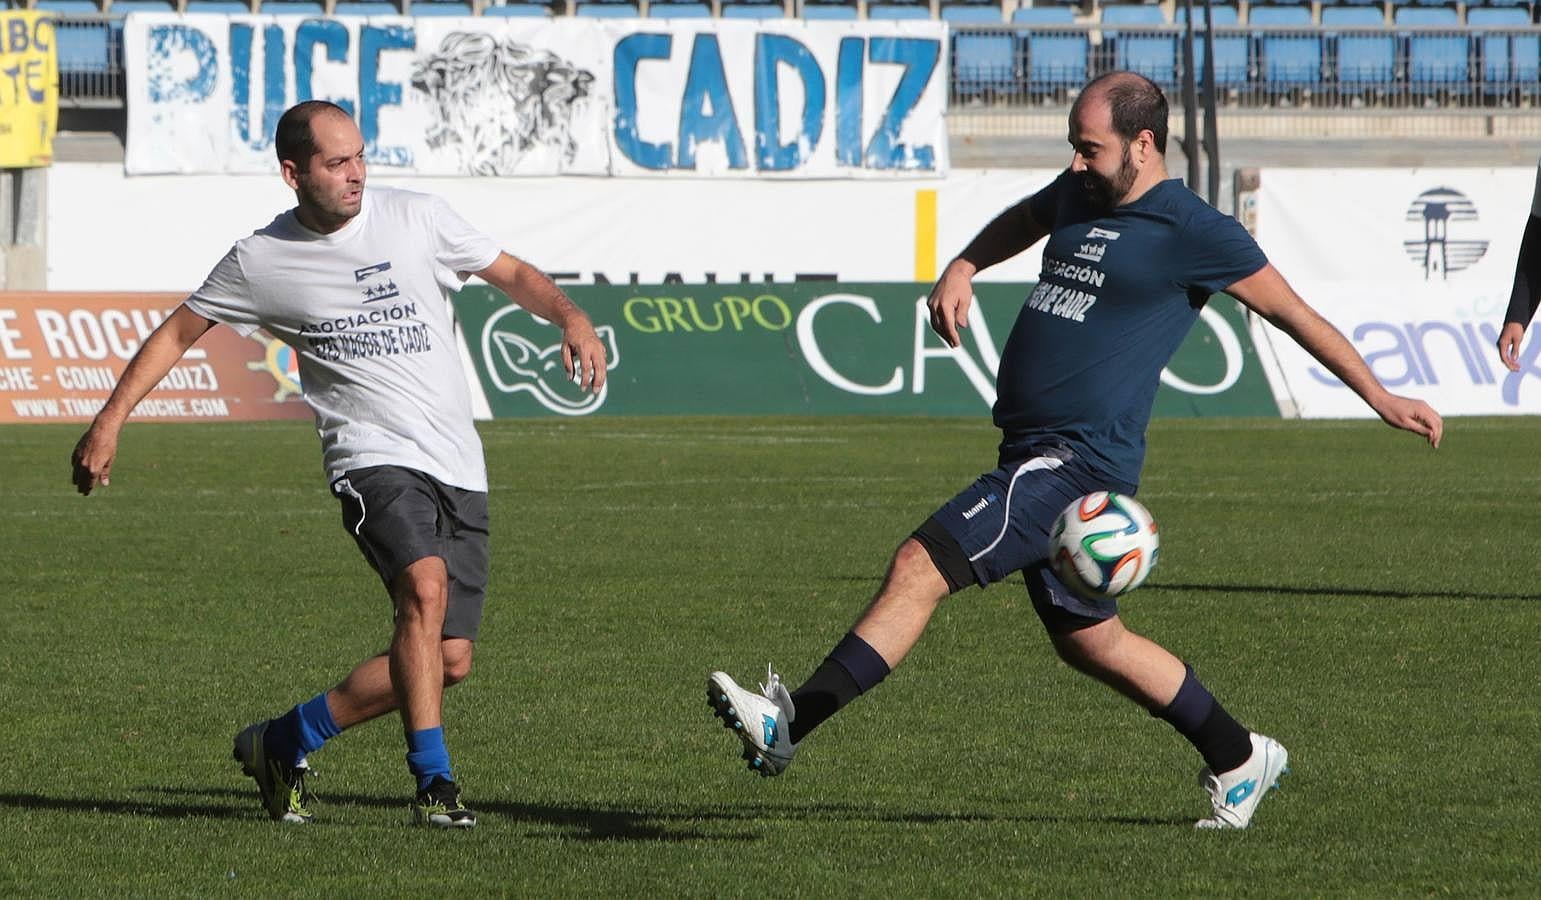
[(1103, 545)]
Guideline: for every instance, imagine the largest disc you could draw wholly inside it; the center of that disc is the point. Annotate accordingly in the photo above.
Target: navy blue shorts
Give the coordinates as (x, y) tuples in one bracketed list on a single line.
[(1000, 525)]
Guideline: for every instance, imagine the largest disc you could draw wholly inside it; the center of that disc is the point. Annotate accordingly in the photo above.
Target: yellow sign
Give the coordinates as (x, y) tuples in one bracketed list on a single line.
[(29, 89)]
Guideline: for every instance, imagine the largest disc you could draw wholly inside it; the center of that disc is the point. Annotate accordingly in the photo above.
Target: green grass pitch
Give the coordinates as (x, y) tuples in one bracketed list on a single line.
[(1373, 604)]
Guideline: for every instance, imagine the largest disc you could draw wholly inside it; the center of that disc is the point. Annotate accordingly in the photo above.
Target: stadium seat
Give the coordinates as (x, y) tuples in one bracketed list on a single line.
[(1231, 65), (291, 8), (1364, 61), (753, 11), (1287, 59), (1055, 59), (981, 60), (1151, 54), (679, 11), (441, 8), (365, 8), (829, 11), (607, 10), (83, 48), (124, 7), (227, 7), (1508, 60), (893, 11), (1436, 61), (518, 10)]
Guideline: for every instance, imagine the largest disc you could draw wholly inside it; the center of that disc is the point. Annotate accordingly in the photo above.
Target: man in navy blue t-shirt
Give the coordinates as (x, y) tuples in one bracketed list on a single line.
[(1526, 294), (1131, 258)]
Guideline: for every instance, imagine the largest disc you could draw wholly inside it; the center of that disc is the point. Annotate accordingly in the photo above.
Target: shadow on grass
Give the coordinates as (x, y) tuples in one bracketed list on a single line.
[(576, 822), (1333, 592)]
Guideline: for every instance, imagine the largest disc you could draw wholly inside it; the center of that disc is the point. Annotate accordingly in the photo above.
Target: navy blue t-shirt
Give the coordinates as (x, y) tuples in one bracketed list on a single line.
[(1118, 292)]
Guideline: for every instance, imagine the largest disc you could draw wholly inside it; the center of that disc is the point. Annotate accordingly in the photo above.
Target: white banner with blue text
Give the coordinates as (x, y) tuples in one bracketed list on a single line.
[(570, 96), (1415, 269)]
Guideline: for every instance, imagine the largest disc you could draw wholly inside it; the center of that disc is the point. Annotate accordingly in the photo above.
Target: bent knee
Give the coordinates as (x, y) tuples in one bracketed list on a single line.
[(912, 558), (457, 661)]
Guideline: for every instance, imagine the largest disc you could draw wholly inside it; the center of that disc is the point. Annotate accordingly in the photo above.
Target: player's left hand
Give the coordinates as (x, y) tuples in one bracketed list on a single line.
[(1413, 415), (583, 354), (1509, 345)]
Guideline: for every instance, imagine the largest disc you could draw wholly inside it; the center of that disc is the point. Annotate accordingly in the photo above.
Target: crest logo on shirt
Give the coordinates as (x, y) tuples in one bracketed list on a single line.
[(1092, 252), (518, 360), (381, 286), (1438, 218)]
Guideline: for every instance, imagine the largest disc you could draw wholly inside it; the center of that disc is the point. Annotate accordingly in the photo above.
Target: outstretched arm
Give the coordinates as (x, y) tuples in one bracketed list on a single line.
[(583, 353), (98, 447), (1525, 297), (1267, 293), (1008, 234)]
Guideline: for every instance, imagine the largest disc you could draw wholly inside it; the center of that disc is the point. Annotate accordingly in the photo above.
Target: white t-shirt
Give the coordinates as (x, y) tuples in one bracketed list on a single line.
[(367, 311)]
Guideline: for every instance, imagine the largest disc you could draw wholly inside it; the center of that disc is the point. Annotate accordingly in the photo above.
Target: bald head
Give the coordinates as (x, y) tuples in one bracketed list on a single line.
[(295, 139), (1133, 102)]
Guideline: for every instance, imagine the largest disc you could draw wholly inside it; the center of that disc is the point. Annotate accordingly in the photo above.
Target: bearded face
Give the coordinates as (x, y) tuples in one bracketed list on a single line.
[(1106, 188)]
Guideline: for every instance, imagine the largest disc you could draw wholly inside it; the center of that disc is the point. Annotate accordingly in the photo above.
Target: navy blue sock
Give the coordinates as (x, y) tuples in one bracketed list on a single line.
[(427, 757), (851, 669), (1200, 718), (301, 731)]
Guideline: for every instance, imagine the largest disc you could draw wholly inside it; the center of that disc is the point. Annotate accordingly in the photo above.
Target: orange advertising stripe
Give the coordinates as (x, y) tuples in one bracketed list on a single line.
[(61, 354)]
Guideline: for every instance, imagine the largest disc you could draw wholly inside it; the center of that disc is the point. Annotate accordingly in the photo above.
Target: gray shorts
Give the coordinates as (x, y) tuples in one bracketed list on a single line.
[(399, 516)]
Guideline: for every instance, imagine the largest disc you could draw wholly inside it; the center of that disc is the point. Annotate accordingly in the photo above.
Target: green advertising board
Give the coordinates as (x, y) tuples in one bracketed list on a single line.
[(807, 347)]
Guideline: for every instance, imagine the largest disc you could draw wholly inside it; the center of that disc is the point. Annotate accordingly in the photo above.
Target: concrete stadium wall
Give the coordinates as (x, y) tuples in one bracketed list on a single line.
[(107, 231)]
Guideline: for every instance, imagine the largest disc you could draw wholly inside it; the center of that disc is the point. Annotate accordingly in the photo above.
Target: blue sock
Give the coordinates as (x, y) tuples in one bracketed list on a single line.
[(301, 731), (851, 669), (1200, 718), (427, 757)]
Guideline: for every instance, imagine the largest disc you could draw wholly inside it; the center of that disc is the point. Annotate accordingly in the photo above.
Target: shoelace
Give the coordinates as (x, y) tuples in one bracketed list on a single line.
[(769, 686)]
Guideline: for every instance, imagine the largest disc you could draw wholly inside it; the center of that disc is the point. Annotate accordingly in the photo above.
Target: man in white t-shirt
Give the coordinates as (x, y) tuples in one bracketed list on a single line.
[(1525, 296), (357, 284)]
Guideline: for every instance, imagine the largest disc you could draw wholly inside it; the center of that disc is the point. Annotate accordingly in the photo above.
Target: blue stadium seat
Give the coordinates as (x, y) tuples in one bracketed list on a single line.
[(740, 10), (1151, 54), (518, 10), (291, 8), (124, 7), (1364, 61), (1507, 59), (829, 11), (227, 7), (1287, 60), (365, 8), (83, 47), (1231, 65), (679, 11), (1055, 59), (442, 8), (607, 10), (980, 60), (893, 11), (1436, 60)]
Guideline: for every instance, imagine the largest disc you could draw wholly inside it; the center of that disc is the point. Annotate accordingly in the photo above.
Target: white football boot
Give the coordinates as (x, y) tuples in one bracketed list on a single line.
[(761, 721), (1234, 795)]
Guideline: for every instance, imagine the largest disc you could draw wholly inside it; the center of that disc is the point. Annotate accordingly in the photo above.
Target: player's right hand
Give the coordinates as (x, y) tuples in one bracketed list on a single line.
[(950, 299), (1415, 416), (91, 462), (1509, 344)]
